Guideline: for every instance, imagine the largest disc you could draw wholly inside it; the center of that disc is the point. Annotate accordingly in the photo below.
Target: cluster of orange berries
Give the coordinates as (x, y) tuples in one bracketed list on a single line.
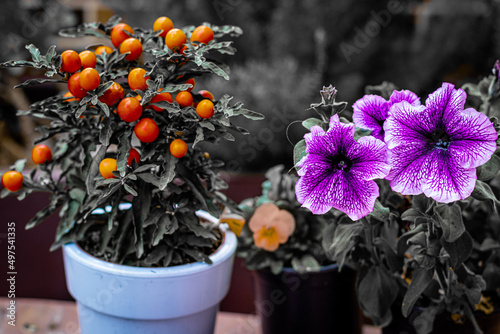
[(84, 78)]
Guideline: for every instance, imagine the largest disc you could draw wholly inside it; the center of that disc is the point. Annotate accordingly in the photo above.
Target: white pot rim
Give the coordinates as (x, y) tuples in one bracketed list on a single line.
[(225, 251)]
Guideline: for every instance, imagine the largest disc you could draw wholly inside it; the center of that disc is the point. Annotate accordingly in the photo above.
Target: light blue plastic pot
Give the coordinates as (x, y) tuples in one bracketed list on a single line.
[(121, 299)]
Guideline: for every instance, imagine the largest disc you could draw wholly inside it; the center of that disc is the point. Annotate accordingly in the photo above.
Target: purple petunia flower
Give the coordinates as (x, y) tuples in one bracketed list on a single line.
[(371, 111), (435, 148), (338, 172)]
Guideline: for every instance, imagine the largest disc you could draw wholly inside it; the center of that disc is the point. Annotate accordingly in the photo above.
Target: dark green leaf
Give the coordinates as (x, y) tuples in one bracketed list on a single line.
[(199, 135), (18, 166), (129, 189), (490, 169), (421, 278), (377, 290), (123, 152), (380, 212), (483, 192), (459, 249), (41, 215), (94, 169), (337, 239), (305, 264), (216, 69), (35, 53), (449, 217), (165, 226), (299, 151), (105, 133), (310, 122), (31, 82)]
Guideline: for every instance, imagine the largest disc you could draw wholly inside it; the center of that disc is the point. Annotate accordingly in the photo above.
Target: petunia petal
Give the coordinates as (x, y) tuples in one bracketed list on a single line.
[(409, 168), (262, 216), (446, 102), (407, 124), (353, 196), (473, 138), (404, 95), (369, 159), (370, 112), (447, 181), (311, 188)]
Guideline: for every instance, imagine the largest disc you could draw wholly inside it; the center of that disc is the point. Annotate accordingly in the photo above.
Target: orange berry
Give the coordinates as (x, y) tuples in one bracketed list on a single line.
[(205, 109), (12, 180), (69, 97), (178, 148), (184, 98), (206, 94), (88, 59), (190, 82), (138, 97), (112, 95), (133, 155), (129, 109), (161, 97), (106, 168), (202, 34), (103, 49), (146, 130), (137, 80), (70, 61), (74, 86), (175, 39), (41, 154), (118, 34), (163, 23), (89, 79), (132, 45)]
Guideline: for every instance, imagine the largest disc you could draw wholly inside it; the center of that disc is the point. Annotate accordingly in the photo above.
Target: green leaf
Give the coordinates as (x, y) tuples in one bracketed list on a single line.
[(51, 52), (31, 82), (449, 217), (338, 239), (459, 250), (305, 264), (193, 223), (421, 278), (483, 192), (168, 171), (35, 53), (165, 226), (207, 125), (247, 113), (105, 132), (310, 122), (41, 215), (123, 153), (380, 212), (94, 169), (214, 68), (130, 190), (18, 166), (175, 88), (490, 169), (82, 30), (377, 290), (299, 151), (199, 135)]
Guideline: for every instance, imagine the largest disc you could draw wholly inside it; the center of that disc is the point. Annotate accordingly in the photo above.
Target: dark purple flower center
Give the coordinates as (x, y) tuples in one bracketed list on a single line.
[(439, 139), (341, 162)]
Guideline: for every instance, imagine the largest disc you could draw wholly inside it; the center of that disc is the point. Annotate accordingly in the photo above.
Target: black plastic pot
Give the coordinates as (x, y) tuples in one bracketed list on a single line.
[(322, 302)]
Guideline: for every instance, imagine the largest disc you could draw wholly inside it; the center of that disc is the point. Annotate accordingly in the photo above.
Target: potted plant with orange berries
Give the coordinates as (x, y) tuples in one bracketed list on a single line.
[(297, 288), (130, 178)]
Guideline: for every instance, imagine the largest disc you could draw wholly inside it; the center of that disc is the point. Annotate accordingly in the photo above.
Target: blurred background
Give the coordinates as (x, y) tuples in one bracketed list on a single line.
[(289, 50)]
